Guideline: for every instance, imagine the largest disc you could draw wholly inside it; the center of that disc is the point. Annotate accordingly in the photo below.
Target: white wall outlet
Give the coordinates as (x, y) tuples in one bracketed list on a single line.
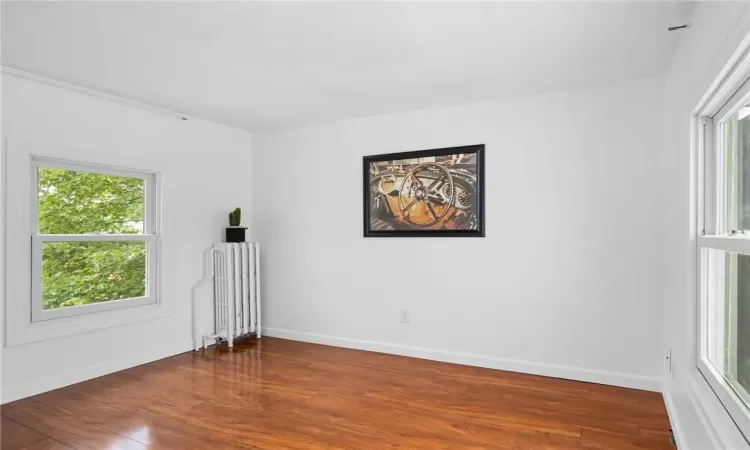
[(405, 317)]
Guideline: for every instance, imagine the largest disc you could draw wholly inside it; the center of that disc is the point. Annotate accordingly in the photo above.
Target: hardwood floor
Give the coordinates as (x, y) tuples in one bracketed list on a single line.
[(277, 394)]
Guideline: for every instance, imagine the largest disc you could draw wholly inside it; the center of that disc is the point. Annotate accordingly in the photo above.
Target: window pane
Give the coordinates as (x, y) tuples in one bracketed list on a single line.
[(742, 321), (76, 202), (81, 273), (737, 147), (729, 318)]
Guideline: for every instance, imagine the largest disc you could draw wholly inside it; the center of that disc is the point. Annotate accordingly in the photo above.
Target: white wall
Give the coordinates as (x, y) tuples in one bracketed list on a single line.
[(715, 32), (205, 173), (567, 281)]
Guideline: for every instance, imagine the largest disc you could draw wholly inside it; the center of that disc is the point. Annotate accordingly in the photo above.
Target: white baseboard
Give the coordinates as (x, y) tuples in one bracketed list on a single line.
[(674, 420), (572, 373), (57, 381), (699, 422), (700, 410), (490, 362)]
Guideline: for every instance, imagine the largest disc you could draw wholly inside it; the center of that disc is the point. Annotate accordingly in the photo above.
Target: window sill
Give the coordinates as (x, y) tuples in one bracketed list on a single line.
[(28, 332)]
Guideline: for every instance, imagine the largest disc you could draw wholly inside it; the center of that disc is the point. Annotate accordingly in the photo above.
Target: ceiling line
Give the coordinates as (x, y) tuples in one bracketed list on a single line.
[(92, 92)]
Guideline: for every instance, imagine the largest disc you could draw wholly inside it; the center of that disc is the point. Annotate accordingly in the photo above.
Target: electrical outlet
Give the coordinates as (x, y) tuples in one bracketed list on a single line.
[(405, 317)]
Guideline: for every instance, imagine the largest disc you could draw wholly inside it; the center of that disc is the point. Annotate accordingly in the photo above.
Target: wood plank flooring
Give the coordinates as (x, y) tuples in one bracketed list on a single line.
[(279, 394)]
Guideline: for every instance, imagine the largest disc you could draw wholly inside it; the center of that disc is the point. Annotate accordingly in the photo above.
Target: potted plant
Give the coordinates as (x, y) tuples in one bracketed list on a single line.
[(235, 232)]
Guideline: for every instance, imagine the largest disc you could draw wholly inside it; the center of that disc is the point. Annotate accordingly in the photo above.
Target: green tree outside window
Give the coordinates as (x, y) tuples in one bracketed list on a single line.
[(81, 273)]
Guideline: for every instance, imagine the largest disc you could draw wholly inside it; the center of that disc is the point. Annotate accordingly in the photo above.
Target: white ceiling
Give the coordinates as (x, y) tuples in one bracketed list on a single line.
[(264, 65)]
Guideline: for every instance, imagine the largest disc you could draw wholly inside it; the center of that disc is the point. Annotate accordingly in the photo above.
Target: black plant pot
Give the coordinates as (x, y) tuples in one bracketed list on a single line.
[(236, 234)]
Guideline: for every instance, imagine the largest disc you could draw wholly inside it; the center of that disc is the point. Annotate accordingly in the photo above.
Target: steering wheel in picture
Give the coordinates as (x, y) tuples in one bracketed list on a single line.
[(413, 192)]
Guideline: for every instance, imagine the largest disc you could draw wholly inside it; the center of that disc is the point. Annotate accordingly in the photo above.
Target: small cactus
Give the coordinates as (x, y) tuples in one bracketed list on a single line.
[(234, 217)]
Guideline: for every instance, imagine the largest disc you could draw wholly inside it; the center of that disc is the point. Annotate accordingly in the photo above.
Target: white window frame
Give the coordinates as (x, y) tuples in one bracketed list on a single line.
[(150, 236), (729, 92)]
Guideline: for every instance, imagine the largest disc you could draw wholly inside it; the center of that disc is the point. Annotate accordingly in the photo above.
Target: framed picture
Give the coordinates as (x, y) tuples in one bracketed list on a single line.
[(436, 193)]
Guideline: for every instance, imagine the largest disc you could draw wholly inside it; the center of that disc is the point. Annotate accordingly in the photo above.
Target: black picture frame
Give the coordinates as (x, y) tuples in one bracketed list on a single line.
[(371, 193)]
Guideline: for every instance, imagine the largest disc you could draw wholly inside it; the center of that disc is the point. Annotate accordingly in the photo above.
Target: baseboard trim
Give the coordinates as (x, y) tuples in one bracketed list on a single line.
[(695, 423), (674, 420), (66, 379), (700, 409), (550, 370)]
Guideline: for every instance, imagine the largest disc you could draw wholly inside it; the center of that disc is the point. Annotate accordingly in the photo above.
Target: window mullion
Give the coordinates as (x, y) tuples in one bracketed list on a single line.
[(149, 205), (733, 244), (709, 177), (720, 192)]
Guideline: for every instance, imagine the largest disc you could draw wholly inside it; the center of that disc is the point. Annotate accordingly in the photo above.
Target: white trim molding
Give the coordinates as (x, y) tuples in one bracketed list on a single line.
[(675, 420), (627, 380), (697, 417), (92, 92)]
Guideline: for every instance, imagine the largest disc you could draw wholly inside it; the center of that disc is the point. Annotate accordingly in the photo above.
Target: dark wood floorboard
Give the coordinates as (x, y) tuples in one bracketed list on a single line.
[(279, 394)]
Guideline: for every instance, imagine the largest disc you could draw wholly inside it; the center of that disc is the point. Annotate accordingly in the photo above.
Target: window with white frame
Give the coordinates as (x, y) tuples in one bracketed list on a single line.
[(93, 239), (723, 161)]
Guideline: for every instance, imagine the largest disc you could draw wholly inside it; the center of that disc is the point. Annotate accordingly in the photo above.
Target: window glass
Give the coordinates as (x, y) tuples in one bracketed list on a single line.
[(82, 273), (77, 202), (737, 146), (728, 314), (741, 321)]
